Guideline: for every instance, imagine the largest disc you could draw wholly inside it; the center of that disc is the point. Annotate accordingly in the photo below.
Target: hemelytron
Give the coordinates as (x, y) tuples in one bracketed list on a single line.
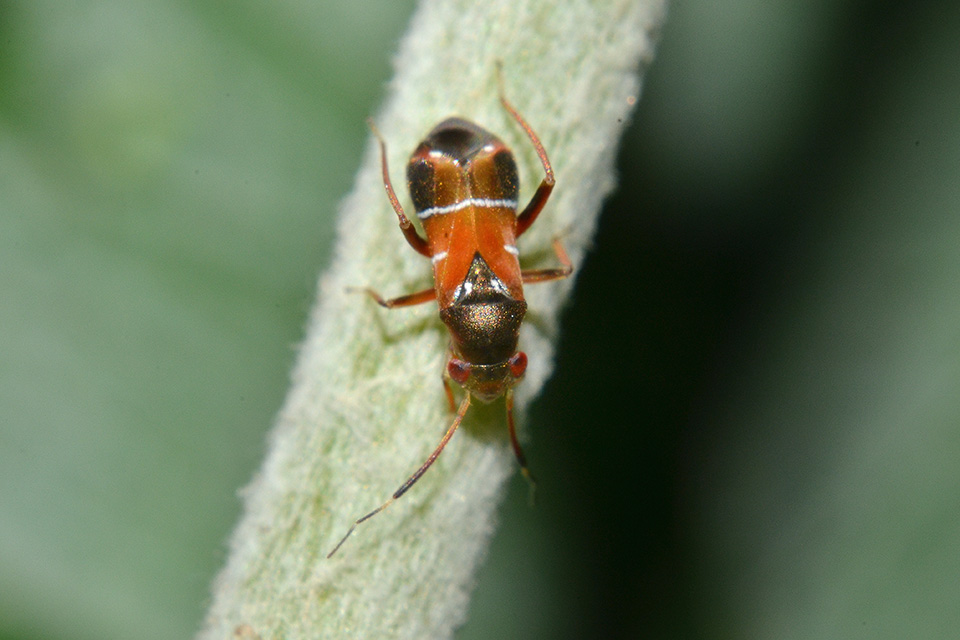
[(464, 186)]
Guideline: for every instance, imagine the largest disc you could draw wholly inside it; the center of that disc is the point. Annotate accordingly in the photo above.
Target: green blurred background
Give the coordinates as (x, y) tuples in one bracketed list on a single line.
[(754, 428)]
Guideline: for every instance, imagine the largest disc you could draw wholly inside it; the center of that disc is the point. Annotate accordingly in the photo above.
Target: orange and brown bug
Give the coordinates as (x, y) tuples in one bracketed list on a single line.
[(464, 185)]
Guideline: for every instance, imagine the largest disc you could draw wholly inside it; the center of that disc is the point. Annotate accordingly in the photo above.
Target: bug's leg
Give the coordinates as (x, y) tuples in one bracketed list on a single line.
[(464, 405), (517, 450), (409, 300), (539, 199), (557, 273), (414, 239), (448, 390)]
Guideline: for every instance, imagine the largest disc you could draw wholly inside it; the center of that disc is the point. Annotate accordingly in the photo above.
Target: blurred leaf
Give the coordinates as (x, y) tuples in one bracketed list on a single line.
[(169, 186)]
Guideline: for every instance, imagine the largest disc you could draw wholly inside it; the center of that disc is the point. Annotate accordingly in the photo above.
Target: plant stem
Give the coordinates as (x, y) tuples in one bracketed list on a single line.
[(366, 405)]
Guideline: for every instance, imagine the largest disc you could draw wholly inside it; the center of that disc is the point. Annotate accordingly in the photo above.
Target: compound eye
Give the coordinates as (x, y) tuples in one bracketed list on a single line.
[(518, 364), (458, 370)]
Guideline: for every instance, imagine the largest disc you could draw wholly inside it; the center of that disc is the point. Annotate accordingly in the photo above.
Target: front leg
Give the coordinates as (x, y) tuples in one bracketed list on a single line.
[(447, 389)]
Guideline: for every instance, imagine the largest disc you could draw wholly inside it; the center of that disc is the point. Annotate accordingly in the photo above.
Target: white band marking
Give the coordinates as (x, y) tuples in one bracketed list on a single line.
[(437, 257), (510, 248), (463, 204)]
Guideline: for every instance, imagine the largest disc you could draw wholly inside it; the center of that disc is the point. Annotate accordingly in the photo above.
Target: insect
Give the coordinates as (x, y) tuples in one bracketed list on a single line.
[(464, 185)]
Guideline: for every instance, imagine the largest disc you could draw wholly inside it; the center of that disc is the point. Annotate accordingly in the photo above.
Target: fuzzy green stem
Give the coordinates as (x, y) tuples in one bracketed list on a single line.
[(366, 406)]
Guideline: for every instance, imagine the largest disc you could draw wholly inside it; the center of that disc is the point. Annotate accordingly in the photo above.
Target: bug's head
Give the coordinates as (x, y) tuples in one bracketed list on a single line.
[(487, 382)]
